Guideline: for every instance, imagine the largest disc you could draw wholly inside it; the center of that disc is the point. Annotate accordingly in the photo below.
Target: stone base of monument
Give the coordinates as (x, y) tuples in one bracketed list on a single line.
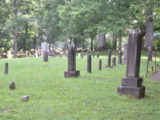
[(132, 87), (71, 73)]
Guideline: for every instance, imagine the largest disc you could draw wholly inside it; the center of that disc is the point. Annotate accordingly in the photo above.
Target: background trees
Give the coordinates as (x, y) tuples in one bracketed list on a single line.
[(24, 24)]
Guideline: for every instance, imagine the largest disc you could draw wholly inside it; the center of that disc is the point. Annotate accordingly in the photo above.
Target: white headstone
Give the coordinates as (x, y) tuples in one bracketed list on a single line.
[(44, 46), (9, 54)]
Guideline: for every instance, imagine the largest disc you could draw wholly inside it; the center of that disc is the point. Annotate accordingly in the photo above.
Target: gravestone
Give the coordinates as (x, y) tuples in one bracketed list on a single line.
[(12, 86), (109, 59), (6, 68), (72, 72), (25, 98), (119, 57), (44, 50), (89, 63), (125, 53), (132, 83), (51, 53), (9, 54), (100, 64), (113, 61)]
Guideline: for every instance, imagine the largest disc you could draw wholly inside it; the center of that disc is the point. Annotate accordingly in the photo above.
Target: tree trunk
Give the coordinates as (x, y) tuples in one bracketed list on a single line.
[(91, 44), (120, 40), (149, 32), (15, 43), (101, 43), (114, 42)]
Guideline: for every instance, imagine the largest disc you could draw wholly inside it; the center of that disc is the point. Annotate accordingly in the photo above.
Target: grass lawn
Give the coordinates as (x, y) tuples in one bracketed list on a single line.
[(89, 97)]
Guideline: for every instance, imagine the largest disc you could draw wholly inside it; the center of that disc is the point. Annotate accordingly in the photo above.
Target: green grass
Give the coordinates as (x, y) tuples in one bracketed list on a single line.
[(89, 97)]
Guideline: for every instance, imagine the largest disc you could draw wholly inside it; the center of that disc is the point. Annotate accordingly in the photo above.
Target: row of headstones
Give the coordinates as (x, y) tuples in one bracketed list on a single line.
[(132, 83)]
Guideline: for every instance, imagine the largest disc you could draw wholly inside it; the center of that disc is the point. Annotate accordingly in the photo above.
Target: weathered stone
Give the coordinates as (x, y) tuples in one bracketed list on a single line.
[(25, 98), (6, 68), (132, 83), (100, 64), (12, 86), (109, 59), (113, 61), (71, 63), (89, 64), (120, 57)]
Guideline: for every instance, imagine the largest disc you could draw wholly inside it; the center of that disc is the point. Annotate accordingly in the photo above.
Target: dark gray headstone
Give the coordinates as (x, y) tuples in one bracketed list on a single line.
[(45, 56), (113, 61), (120, 57), (132, 83), (44, 51), (12, 86), (71, 63), (6, 68), (89, 64), (109, 59), (100, 64)]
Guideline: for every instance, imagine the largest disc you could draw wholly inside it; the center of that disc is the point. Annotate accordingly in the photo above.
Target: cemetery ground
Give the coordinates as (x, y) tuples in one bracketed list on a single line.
[(92, 96)]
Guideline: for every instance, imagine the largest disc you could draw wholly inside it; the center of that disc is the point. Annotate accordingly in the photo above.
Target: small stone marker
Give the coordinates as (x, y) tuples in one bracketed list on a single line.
[(25, 98), (89, 64), (12, 86), (72, 72), (109, 58), (132, 83), (100, 64), (119, 57), (113, 61), (125, 56), (44, 50), (6, 68)]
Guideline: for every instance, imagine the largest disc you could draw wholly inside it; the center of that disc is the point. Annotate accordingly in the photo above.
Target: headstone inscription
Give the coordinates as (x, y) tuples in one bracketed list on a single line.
[(72, 72), (132, 83)]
